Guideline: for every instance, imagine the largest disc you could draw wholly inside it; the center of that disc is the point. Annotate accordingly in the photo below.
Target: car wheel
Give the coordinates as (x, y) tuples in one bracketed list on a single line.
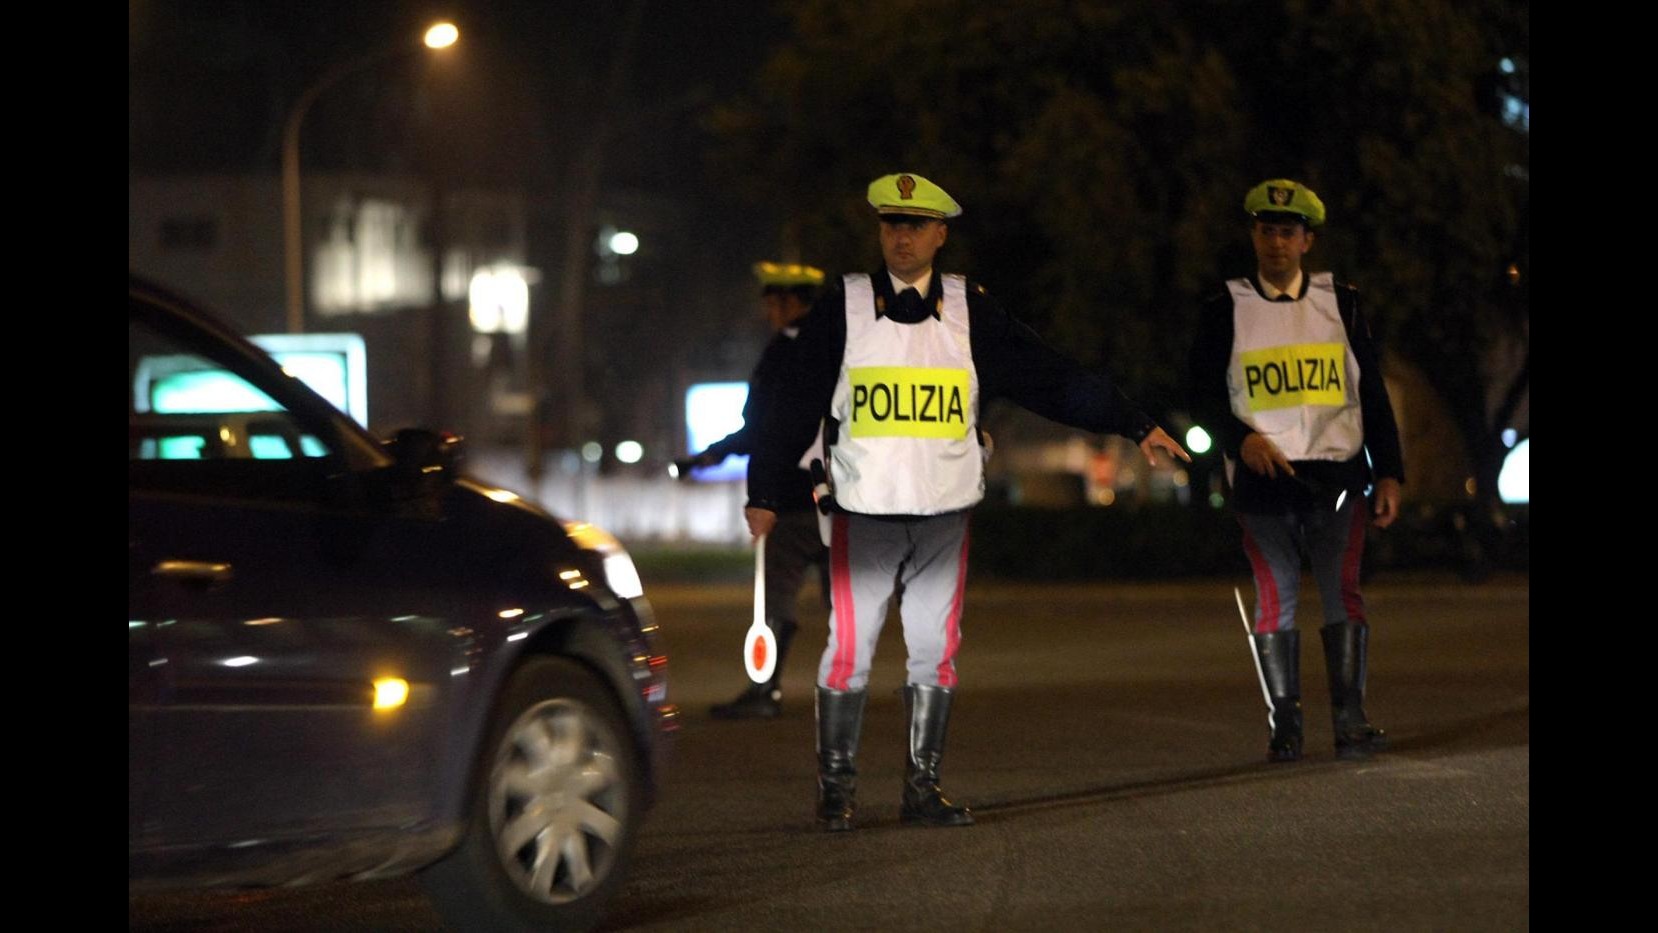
[(554, 810)]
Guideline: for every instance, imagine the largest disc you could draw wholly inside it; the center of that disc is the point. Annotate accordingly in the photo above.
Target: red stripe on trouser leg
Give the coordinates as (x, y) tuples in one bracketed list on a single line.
[(952, 626), (1350, 561), (846, 625), (1266, 588)]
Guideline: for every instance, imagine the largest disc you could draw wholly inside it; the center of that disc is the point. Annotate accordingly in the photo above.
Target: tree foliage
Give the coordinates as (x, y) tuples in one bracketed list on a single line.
[(1102, 149)]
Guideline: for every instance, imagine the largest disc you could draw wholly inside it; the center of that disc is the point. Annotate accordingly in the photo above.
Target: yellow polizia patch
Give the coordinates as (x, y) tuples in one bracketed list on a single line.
[(1295, 374), (903, 401)]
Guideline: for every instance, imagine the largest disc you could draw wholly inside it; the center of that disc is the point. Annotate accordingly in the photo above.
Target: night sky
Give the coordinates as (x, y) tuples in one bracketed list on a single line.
[(210, 83)]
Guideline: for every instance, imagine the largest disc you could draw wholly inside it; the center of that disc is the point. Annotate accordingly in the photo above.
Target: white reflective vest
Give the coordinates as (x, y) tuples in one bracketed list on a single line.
[(907, 402), (1292, 376)]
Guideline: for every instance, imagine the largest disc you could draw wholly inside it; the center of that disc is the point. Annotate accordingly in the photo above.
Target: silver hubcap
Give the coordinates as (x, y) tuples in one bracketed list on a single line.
[(557, 801)]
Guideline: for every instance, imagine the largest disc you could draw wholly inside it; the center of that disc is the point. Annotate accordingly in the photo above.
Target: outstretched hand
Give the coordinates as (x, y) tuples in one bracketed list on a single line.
[(1158, 439)]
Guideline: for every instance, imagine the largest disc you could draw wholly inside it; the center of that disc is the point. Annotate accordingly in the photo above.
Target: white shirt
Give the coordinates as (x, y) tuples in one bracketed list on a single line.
[(920, 285), (1272, 292)]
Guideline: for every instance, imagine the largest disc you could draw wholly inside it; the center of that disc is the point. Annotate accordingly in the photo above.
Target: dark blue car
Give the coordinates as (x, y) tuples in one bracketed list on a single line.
[(348, 660)]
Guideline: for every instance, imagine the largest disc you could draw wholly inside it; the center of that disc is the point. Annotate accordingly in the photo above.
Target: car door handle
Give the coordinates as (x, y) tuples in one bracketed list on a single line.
[(201, 571)]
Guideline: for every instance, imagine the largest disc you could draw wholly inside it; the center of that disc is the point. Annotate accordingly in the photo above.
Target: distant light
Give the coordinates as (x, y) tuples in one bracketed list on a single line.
[(1468, 486), (629, 451), (242, 661), (518, 636), (1507, 66), (623, 243), (673, 470), (1509, 437), (390, 692), (1197, 440), (592, 451), (336, 365), (502, 495), (1514, 482), (510, 613), (1180, 477), (498, 300), (1217, 500), (442, 36)]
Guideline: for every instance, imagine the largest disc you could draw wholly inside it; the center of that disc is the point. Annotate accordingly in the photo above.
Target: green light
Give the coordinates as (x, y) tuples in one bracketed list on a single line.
[(1197, 440)]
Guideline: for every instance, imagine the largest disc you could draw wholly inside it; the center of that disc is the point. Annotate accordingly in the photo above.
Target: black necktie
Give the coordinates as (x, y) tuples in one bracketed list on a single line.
[(909, 302)]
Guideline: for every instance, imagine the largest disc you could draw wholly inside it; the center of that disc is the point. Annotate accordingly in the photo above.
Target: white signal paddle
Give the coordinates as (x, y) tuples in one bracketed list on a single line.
[(760, 645)]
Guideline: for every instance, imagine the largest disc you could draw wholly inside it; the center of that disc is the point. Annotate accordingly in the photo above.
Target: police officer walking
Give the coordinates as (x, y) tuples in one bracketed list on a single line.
[(795, 544), (1284, 366), (901, 361)]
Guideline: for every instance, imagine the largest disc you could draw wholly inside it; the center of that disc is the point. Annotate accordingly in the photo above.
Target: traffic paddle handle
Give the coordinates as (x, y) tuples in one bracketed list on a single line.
[(760, 645)]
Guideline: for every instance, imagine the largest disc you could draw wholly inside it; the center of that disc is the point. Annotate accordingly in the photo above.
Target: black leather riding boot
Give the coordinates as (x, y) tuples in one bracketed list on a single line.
[(840, 715), (1345, 650), (1280, 656), (924, 801)]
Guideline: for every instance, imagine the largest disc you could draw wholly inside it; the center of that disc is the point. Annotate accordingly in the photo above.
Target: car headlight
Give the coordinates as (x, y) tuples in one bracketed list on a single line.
[(619, 572)]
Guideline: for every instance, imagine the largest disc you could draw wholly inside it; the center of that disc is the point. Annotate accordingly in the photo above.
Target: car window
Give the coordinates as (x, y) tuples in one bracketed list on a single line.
[(184, 406)]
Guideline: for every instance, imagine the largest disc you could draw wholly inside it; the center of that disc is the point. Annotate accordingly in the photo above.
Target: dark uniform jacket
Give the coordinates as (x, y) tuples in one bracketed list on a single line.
[(767, 388)]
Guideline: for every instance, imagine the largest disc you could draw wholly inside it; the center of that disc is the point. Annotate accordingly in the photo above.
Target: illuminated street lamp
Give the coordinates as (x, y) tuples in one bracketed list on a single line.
[(438, 36)]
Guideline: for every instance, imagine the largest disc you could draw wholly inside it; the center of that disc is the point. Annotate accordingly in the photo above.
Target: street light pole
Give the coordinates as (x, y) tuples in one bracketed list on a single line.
[(438, 36)]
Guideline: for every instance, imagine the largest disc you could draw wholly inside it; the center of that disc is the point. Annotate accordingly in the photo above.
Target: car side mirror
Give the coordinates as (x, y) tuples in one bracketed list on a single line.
[(426, 458)]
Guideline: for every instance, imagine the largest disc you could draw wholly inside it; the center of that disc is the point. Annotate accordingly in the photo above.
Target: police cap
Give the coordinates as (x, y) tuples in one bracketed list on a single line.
[(787, 276), (1283, 200), (908, 193)]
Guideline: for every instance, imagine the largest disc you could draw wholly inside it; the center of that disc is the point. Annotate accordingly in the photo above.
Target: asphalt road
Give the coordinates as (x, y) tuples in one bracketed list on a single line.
[(1111, 742)]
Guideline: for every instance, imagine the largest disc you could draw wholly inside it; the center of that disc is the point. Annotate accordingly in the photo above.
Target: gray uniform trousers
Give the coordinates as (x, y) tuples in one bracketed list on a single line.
[(868, 558), (1333, 540)]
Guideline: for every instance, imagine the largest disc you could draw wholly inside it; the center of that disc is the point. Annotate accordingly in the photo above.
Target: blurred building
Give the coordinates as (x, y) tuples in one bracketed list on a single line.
[(448, 342), (370, 268)]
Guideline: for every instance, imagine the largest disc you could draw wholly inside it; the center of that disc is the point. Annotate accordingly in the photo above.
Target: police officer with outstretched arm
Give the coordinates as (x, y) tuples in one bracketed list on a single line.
[(898, 365)]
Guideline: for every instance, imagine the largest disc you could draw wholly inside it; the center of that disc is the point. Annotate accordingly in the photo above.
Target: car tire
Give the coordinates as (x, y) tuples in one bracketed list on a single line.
[(554, 810)]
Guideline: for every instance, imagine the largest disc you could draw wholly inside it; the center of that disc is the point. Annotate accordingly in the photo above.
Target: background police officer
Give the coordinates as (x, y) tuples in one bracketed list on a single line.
[(902, 361), (794, 545), (1284, 367)]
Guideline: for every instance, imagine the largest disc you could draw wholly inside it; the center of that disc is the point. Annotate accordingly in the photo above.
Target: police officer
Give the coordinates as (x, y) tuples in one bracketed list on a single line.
[(794, 545), (902, 361), (1285, 368)]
